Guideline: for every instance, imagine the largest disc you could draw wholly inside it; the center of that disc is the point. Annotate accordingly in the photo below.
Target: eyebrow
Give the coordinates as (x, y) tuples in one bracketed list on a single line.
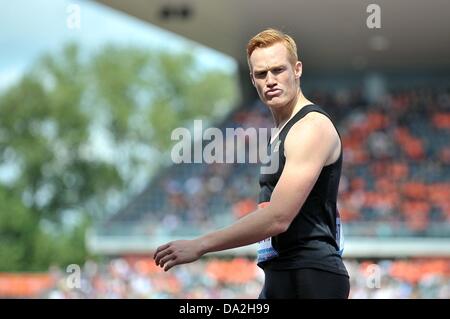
[(265, 70)]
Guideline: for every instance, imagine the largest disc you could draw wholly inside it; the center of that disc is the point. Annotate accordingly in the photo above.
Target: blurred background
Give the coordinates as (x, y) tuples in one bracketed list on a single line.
[(90, 92)]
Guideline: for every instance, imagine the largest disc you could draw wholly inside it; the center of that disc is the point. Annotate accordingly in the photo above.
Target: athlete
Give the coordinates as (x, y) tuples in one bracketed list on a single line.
[(296, 225)]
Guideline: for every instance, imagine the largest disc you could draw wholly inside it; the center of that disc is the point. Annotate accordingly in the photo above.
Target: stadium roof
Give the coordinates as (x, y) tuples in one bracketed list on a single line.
[(332, 35)]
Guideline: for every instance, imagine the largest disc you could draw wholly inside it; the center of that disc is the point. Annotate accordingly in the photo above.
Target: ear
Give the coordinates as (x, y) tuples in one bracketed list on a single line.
[(298, 68)]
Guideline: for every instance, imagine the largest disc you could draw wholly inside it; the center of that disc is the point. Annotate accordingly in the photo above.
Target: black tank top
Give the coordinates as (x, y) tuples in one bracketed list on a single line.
[(313, 239)]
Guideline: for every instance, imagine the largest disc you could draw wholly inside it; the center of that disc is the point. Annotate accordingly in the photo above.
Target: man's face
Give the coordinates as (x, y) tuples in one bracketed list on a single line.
[(274, 76)]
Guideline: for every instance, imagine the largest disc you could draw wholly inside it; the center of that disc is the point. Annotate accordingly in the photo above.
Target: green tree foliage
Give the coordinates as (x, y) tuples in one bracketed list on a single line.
[(77, 129)]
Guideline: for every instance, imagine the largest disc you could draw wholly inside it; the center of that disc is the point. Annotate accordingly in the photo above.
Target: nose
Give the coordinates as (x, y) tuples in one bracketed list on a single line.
[(270, 80)]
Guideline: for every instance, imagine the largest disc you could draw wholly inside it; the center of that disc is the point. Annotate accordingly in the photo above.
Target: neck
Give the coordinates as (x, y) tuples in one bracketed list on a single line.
[(284, 114)]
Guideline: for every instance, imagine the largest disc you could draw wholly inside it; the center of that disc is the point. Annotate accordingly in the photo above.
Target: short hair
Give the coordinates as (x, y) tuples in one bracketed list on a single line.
[(268, 38)]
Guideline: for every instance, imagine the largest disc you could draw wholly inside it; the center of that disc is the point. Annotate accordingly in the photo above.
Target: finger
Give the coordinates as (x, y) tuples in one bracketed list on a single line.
[(160, 248), (171, 263), (162, 254), (166, 259)]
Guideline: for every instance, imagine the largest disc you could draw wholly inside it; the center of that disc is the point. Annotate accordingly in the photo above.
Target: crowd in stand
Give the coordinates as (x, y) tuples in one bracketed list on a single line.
[(396, 166), (396, 169), (240, 278)]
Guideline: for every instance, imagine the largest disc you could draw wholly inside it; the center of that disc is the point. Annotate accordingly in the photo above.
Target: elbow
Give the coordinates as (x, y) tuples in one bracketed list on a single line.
[(279, 221), (279, 227)]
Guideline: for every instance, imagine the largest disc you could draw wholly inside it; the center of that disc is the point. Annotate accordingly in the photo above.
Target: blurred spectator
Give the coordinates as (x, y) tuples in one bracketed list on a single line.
[(239, 277)]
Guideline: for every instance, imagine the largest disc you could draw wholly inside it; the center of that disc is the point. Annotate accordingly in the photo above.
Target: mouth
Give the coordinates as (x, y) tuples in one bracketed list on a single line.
[(273, 93)]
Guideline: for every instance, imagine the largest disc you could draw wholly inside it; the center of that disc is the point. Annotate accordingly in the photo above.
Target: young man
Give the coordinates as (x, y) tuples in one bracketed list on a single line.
[(297, 223)]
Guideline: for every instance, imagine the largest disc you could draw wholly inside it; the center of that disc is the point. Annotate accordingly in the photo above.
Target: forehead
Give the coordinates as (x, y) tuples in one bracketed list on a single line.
[(263, 58)]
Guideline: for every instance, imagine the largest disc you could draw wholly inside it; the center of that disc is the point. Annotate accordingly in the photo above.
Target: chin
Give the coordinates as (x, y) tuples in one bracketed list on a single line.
[(276, 103)]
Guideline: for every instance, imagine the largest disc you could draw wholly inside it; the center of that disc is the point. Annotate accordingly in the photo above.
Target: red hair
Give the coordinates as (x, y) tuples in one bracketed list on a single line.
[(268, 38)]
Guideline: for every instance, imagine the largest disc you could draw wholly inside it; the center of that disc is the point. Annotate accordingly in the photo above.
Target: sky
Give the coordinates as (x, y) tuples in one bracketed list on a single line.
[(30, 28)]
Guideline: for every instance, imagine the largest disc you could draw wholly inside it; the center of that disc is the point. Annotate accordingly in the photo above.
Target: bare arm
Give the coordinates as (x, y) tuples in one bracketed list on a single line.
[(308, 146)]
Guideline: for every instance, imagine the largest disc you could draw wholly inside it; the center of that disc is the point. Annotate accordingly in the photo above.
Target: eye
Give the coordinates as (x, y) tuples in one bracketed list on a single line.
[(260, 75), (278, 70)]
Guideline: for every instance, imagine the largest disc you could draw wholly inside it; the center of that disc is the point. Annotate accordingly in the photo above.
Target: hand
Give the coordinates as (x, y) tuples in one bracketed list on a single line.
[(176, 253)]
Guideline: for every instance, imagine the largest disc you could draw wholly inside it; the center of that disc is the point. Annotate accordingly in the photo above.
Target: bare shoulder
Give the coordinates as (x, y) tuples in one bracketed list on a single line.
[(314, 124), (314, 134)]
